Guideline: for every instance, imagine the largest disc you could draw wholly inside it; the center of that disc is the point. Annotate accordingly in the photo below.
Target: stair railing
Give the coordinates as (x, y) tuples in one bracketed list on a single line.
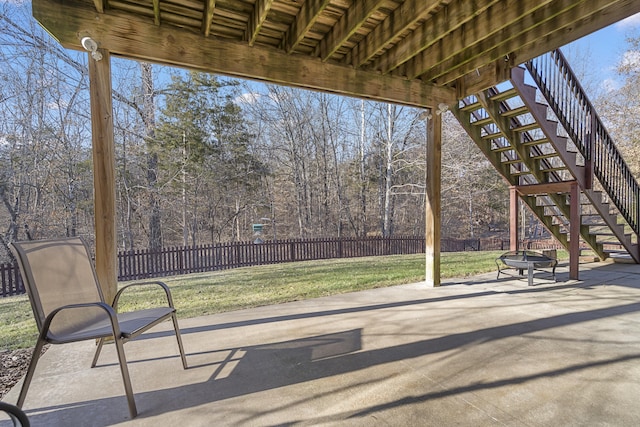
[(565, 96)]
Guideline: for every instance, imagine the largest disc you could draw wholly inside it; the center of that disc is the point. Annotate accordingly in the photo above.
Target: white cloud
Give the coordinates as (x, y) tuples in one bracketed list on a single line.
[(611, 85), (631, 22), (248, 98), (631, 59)]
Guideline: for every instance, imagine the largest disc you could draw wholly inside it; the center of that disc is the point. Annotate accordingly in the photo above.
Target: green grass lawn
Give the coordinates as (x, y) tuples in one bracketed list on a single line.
[(214, 292)]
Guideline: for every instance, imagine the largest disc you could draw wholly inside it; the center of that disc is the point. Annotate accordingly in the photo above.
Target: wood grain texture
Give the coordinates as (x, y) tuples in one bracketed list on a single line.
[(433, 200), (370, 47), (104, 179), (142, 40)]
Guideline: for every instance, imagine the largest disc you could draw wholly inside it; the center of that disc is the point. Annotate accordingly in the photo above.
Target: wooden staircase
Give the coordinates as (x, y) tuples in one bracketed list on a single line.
[(540, 131)]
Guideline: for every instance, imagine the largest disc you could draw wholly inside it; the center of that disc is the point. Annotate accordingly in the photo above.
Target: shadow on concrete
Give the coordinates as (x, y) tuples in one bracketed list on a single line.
[(252, 369)]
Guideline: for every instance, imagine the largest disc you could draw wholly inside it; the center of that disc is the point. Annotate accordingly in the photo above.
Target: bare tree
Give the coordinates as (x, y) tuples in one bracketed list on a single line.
[(620, 108), (401, 162), (46, 178), (477, 197)]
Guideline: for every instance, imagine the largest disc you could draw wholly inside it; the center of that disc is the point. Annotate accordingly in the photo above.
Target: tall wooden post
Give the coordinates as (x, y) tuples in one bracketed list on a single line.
[(513, 218), (103, 173), (433, 194), (574, 232)]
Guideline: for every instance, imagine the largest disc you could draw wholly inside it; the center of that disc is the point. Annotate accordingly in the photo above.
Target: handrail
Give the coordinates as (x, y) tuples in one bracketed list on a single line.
[(565, 96)]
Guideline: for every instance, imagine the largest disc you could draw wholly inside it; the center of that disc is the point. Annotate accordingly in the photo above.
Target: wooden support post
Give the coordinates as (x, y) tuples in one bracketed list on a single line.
[(103, 173), (513, 218), (433, 194), (574, 232)]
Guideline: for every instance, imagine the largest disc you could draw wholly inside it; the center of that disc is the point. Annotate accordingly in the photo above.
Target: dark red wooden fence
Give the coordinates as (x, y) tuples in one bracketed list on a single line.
[(11, 280), (144, 264)]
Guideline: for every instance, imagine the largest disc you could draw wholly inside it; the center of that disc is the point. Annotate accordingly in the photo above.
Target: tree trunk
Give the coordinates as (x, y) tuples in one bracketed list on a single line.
[(386, 224), (155, 228), (363, 177)]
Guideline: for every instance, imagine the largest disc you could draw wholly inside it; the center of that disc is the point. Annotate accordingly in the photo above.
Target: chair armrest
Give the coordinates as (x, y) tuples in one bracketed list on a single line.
[(110, 311), (163, 285), (104, 306), (17, 415)]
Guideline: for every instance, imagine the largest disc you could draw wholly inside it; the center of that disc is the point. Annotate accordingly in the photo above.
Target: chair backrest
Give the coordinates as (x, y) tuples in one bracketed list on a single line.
[(56, 273)]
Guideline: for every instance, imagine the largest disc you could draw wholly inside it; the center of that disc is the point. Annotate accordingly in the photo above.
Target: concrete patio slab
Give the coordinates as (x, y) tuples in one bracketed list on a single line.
[(473, 352)]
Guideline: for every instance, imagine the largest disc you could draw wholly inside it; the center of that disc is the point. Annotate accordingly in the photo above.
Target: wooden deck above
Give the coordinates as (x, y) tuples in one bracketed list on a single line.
[(412, 52)]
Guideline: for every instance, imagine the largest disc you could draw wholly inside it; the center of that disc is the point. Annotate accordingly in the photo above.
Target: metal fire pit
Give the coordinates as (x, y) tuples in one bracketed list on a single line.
[(526, 260)]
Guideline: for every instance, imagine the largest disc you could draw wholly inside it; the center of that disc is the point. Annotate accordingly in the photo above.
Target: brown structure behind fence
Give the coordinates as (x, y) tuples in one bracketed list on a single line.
[(145, 264)]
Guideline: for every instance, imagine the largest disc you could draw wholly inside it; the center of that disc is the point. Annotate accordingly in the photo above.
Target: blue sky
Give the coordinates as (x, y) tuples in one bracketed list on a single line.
[(607, 48)]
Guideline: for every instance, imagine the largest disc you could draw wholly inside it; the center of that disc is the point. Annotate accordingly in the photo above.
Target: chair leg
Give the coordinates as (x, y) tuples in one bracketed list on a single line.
[(98, 350), (30, 371), (126, 378), (174, 318)]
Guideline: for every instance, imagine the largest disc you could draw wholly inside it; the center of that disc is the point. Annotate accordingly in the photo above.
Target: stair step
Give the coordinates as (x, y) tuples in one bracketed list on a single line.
[(559, 218), (590, 214), (610, 240), (515, 112), (492, 136), (554, 169), (545, 156), (622, 257), (536, 142), (482, 122), (511, 161), (527, 127), (507, 94), (471, 107), (611, 251), (595, 224), (602, 233), (502, 149), (544, 203)]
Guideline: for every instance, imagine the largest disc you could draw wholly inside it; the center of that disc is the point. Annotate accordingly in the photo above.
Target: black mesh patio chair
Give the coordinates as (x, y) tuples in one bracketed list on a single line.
[(69, 306)]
